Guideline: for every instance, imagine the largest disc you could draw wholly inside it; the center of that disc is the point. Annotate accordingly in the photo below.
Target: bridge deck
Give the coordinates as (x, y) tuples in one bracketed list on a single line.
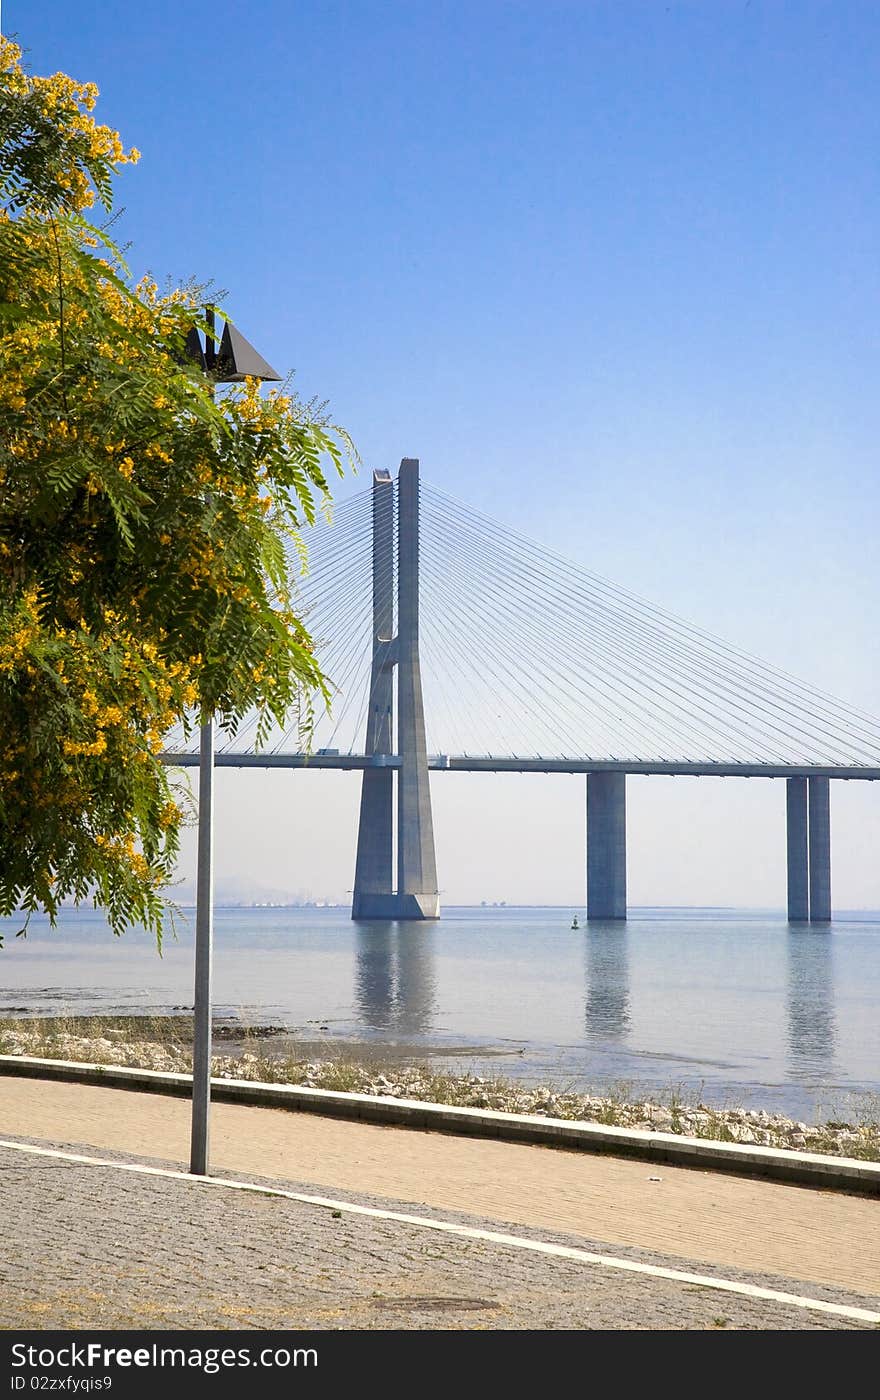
[(464, 763)]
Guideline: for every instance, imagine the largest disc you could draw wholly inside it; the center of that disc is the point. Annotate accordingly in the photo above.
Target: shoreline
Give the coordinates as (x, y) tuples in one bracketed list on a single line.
[(272, 1054)]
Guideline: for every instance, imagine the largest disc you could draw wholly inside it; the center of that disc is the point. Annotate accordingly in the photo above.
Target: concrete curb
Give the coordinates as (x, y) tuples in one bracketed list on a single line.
[(803, 1168)]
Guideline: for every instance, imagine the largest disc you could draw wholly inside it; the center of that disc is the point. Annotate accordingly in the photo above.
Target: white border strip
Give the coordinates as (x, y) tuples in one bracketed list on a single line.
[(558, 1251)]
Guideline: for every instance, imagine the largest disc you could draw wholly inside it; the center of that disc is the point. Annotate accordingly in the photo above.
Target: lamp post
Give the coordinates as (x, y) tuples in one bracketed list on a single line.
[(236, 360)]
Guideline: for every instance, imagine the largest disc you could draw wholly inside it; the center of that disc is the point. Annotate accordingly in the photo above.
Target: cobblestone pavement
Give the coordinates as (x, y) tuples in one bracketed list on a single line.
[(709, 1220), (88, 1247)]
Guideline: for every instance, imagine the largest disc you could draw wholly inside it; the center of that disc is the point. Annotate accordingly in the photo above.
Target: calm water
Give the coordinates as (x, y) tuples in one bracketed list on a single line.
[(739, 1006)]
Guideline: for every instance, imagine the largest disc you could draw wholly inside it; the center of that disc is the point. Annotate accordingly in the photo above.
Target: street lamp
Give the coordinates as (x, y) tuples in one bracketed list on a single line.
[(235, 361)]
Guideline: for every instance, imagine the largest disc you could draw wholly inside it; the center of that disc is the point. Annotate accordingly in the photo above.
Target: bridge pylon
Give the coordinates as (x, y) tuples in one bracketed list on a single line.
[(808, 842), (416, 895), (606, 845)]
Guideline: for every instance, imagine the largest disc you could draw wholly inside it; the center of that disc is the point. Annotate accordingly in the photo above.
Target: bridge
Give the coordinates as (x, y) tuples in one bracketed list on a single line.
[(482, 651)]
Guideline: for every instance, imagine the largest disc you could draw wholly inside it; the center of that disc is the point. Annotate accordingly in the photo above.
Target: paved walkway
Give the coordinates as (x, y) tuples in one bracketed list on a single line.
[(87, 1246)]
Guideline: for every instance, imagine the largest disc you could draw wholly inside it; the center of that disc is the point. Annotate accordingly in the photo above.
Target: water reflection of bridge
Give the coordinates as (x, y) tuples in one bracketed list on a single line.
[(606, 967), (811, 1013), (394, 977), (396, 988)]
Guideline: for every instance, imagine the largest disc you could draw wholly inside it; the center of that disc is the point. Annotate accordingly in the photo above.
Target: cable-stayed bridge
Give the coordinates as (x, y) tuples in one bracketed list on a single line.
[(453, 643)]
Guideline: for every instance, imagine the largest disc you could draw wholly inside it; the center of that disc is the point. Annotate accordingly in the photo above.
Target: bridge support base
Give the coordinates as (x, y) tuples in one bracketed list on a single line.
[(606, 846), (374, 906), (808, 839), (418, 906)]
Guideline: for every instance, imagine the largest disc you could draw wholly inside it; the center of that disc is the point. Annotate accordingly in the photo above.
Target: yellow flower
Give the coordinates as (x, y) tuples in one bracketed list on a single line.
[(74, 749), (169, 814)]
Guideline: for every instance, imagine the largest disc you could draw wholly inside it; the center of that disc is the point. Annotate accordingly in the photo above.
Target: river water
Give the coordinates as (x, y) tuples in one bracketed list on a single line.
[(738, 1007)]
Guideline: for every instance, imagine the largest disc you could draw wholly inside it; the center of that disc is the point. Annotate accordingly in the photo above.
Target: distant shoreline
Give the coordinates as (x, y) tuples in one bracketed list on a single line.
[(633, 910)]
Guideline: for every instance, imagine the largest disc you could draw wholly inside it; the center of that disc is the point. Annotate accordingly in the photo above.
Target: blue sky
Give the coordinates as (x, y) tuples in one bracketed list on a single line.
[(609, 269)]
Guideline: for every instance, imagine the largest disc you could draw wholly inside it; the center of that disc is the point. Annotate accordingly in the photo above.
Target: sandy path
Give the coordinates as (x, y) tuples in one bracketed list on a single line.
[(763, 1227)]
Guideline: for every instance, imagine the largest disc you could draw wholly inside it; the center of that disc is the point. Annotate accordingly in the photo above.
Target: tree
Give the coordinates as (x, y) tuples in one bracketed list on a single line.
[(146, 532)]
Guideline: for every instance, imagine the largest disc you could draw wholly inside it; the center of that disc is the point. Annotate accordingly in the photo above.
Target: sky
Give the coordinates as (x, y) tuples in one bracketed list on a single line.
[(610, 271)]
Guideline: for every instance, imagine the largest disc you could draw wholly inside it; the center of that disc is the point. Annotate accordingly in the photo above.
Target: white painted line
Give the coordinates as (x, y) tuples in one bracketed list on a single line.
[(449, 1227)]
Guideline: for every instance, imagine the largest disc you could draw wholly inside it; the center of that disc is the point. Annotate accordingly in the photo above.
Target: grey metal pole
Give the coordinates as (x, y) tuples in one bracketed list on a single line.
[(201, 1090), (201, 1086)]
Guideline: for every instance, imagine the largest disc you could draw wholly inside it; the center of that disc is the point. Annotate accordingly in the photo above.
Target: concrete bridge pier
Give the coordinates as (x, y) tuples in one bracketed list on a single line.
[(797, 843), (819, 803), (606, 845), (808, 839)]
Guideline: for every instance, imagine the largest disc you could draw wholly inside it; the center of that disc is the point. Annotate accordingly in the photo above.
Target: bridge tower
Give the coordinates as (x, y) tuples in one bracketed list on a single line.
[(416, 895)]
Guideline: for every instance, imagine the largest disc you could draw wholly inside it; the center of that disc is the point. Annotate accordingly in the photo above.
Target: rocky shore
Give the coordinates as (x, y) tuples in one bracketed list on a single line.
[(168, 1048)]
